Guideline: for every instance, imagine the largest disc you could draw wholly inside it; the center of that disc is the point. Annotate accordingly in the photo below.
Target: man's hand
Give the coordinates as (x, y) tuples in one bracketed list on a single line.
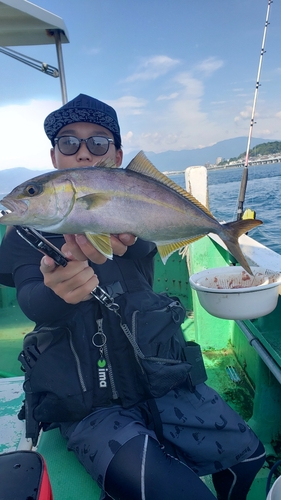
[(72, 283), (78, 247)]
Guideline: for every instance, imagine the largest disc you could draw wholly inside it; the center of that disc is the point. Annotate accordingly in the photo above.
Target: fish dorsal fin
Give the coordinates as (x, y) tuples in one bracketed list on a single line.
[(107, 162), (142, 165)]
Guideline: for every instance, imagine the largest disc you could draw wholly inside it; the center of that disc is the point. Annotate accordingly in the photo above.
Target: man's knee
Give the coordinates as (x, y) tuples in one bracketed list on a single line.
[(147, 474), (234, 483)]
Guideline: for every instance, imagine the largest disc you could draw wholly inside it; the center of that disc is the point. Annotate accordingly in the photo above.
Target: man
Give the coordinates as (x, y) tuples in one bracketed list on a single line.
[(130, 432)]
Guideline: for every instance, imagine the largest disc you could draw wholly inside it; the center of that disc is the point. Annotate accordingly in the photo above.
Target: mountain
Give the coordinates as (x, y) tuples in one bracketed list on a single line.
[(180, 160), (12, 177), (169, 160)]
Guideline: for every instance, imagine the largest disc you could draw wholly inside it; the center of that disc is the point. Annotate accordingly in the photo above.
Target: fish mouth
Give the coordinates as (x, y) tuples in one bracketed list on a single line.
[(17, 207)]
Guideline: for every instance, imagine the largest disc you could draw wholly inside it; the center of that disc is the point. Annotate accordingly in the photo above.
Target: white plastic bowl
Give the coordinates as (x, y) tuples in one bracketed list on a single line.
[(232, 293), (275, 492)]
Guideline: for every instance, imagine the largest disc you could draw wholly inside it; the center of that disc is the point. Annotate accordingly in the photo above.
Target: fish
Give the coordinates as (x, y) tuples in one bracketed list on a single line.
[(101, 200)]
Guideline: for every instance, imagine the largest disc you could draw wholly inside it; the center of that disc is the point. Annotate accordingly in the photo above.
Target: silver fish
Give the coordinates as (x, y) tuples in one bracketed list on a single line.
[(99, 201)]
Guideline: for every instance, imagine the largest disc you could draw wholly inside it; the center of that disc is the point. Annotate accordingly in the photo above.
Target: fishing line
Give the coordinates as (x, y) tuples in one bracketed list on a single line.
[(244, 179)]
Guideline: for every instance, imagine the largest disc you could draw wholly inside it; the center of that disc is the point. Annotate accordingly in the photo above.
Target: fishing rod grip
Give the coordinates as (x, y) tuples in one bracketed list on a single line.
[(242, 192)]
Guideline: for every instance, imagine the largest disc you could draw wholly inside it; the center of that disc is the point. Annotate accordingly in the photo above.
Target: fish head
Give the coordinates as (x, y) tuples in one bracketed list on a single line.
[(42, 202)]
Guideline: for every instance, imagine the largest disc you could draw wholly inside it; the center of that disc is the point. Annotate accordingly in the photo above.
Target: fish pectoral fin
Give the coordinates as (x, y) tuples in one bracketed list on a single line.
[(166, 250), (91, 201), (102, 243)]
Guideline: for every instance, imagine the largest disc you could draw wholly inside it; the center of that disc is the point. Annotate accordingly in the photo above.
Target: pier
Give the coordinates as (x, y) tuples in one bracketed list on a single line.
[(263, 160)]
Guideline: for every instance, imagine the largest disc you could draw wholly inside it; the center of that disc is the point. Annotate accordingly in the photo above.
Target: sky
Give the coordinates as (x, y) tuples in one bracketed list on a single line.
[(181, 74)]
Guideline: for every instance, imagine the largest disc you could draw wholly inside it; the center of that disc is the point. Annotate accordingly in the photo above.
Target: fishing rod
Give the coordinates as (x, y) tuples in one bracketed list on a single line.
[(244, 179)]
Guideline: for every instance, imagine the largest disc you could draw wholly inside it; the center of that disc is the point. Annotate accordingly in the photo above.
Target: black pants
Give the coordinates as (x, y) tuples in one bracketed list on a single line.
[(152, 474)]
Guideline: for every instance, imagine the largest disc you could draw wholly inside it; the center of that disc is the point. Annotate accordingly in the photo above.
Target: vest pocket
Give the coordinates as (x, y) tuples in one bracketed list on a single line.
[(157, 340), (56, 386)]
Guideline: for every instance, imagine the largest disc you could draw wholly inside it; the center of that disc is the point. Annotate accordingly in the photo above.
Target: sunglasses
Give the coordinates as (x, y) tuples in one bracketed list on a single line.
[(69, 145)]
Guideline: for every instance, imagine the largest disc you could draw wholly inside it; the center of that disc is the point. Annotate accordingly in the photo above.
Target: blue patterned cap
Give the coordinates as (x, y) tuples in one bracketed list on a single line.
[(83, 109)]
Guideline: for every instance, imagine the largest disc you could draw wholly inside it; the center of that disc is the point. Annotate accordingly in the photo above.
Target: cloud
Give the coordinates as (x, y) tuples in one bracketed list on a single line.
[(265, 132), (245, 114), (218, 103), (92, 51), (191, 87), (23, 136), (176, 123), (209, 66), (153, 67), (128, 136), (128, 105), (174, 95)]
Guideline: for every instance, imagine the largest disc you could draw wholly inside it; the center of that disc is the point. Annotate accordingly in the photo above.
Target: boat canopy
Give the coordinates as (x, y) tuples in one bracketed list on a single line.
[(22, 23)]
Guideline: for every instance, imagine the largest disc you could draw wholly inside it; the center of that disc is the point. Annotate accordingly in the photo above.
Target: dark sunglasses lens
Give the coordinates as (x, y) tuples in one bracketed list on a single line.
[(98, 145), (68, 145)]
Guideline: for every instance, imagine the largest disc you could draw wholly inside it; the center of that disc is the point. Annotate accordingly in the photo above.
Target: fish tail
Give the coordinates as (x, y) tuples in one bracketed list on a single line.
[(230, 234)]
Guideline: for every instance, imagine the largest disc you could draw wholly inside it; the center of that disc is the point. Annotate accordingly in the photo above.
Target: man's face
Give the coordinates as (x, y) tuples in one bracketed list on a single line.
[(83, 157)]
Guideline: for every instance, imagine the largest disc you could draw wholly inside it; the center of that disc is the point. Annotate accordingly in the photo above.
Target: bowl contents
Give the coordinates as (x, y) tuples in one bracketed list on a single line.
[(235, 281)]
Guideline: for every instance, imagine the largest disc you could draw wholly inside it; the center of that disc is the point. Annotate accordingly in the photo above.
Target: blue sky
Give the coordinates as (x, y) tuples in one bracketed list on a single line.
[(181, 74)]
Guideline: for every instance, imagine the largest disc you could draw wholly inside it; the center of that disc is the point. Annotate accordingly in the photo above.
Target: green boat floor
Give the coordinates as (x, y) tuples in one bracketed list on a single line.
[(239, 395), (14, 325), (69, 479)]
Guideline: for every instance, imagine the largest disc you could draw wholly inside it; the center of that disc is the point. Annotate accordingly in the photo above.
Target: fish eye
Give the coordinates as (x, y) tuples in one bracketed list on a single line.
[(33, 190)]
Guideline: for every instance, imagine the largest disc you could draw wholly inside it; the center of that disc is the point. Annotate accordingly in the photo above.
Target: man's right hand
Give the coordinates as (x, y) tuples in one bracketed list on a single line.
[(72, 283)]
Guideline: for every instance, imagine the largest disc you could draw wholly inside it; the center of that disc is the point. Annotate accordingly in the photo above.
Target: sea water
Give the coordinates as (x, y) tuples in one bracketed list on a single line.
[(263, 195)]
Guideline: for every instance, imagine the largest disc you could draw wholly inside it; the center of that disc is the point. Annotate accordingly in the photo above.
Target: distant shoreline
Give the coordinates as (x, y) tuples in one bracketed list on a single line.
[(222, 167)]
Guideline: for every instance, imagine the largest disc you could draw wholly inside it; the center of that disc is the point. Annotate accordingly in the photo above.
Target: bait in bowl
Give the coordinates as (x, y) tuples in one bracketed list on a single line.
[(232, 293)]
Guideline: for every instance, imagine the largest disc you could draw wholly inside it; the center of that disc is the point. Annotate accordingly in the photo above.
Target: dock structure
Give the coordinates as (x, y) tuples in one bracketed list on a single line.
[(263, 160)]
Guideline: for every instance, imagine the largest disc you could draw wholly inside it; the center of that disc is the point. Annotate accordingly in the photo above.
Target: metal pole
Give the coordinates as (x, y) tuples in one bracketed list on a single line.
[(262, 352), (61, 66), (244, 180)]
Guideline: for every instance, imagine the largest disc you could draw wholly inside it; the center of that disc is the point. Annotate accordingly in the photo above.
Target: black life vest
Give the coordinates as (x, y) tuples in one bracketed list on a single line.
[(97, 357)]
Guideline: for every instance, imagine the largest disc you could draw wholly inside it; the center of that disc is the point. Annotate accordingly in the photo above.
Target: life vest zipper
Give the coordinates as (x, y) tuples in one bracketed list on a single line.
[(110, 374)]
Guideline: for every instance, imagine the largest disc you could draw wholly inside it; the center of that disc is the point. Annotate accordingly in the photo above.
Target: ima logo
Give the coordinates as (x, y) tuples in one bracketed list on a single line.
[(102, 371)]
